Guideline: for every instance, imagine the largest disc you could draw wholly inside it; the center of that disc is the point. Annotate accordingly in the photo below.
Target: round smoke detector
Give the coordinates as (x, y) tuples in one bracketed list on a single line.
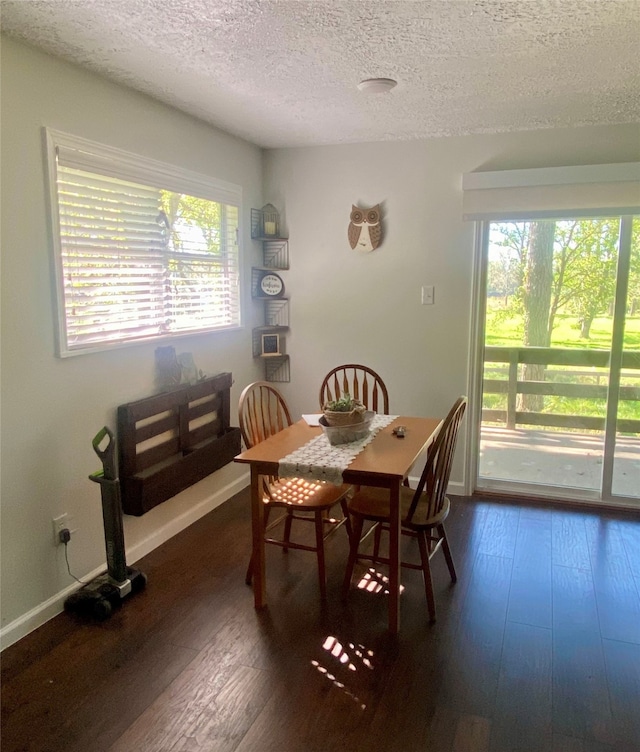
[(377, 85)]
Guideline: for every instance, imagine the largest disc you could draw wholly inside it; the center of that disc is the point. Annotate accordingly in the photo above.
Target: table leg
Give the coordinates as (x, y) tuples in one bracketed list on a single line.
[(394, 560), (257, 527)]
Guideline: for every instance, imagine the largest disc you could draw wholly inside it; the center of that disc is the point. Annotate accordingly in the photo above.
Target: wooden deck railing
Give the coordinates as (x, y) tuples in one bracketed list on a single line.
[(582, 363)]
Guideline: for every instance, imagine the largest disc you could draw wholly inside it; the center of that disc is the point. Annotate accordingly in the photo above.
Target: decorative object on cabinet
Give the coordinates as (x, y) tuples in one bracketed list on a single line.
[(168, 370), (268, 341), (365, 228), (189, 368), (174, 370)]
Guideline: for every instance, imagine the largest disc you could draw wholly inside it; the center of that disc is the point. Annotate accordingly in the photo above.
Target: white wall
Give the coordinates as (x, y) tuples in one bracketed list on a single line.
[(51, 408), (351, 307)]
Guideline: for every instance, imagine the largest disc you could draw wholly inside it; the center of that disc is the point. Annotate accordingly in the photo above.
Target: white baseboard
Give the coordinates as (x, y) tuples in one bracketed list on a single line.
[(45, 611), (39, 615)]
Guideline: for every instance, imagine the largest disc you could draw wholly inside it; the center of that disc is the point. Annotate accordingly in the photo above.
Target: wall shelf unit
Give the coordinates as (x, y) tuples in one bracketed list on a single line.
[(267, 285), (277, 369), (276, 312), (259, 332), (275, 253)]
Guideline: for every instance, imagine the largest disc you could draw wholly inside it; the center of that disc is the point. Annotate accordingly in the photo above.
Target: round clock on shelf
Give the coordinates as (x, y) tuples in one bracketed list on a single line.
[(271, 285)]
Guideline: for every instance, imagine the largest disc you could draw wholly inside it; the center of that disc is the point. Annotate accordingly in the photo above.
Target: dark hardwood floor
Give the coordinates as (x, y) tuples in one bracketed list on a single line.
[(537, 648)]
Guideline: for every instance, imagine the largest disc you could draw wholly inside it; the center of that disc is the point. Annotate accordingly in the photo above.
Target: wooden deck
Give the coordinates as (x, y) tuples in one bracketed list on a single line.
[(557, 458)]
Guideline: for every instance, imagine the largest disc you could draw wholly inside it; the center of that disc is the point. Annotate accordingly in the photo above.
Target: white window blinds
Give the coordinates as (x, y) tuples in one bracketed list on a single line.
[(137, 261)]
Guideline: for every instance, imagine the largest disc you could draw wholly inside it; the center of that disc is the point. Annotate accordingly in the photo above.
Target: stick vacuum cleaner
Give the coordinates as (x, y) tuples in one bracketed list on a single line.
[(99, 597)]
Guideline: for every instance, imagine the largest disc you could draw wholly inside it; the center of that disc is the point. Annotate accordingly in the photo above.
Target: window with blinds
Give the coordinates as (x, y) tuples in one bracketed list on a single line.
[(139, 259)]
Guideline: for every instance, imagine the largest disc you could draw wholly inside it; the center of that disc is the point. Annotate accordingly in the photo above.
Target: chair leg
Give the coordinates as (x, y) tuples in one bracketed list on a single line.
[(447, 553), (354, 542), (287, 530), (426, 572), (320, 553), (347, 519), (377, 537)]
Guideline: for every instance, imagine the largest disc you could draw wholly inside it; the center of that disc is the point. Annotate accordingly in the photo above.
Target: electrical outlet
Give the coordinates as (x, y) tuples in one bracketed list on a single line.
[(60, 523)]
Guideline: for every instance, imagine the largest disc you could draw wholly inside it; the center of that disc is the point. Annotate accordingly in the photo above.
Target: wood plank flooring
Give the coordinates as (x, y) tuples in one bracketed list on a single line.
[(536, 648)]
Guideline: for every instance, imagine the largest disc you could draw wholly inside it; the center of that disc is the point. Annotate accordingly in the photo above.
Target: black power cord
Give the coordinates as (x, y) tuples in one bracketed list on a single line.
[(65, 537)]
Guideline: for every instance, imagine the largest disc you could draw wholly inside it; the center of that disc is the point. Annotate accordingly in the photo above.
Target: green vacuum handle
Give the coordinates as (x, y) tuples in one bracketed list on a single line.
[(108, 454)]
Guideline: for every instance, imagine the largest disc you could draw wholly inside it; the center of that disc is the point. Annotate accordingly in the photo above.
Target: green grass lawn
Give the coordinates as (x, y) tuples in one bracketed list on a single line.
[(566, 332), (507, 332)]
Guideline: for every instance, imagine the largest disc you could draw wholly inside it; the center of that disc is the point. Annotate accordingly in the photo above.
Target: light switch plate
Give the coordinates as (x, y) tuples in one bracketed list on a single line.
[(427, 294)]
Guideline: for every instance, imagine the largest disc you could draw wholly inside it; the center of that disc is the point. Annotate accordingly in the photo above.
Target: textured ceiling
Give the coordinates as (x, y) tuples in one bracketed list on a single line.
[(285, 72)]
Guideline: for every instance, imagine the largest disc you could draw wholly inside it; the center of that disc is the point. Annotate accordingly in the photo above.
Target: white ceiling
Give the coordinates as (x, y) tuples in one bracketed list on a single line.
[(285, 72)]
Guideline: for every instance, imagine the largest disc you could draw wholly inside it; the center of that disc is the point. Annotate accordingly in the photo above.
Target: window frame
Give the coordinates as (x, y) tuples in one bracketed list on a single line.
[(112, 162)]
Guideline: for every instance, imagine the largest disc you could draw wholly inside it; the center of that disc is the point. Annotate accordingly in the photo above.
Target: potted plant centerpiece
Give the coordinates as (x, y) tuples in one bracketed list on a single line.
[(344, 411)]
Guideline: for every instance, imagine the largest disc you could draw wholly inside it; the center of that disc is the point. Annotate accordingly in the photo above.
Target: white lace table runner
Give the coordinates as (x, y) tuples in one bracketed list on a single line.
[(319, 460)]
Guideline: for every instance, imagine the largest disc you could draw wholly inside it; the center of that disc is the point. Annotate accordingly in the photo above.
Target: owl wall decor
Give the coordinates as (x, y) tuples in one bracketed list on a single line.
[(365, 228)]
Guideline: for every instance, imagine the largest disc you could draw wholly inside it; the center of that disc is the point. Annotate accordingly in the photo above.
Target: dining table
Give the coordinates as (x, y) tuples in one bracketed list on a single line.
[(384, 463)]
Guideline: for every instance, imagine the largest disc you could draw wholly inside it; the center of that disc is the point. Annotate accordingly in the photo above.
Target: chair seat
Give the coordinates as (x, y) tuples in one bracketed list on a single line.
[(373, 504), (308, 494)]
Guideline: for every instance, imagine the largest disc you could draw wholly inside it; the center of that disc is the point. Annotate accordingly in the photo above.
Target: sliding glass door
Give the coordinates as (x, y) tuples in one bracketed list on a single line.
[(560, 335)]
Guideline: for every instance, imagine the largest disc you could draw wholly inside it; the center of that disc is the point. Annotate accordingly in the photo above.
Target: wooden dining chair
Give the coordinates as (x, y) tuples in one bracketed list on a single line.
[(361, 382), (262, 412), (423, 511)]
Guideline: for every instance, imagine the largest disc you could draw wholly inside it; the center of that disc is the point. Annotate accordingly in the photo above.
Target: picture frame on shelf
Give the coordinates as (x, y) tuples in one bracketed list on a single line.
[(270, 345)]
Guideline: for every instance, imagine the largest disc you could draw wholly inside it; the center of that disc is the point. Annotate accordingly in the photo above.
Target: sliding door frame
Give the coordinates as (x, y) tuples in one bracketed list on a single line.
[(476, 371), (617, 349)]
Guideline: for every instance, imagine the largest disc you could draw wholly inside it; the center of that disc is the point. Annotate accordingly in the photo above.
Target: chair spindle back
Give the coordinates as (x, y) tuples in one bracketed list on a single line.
[(437, 469), (262, 412), (361, 382)]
